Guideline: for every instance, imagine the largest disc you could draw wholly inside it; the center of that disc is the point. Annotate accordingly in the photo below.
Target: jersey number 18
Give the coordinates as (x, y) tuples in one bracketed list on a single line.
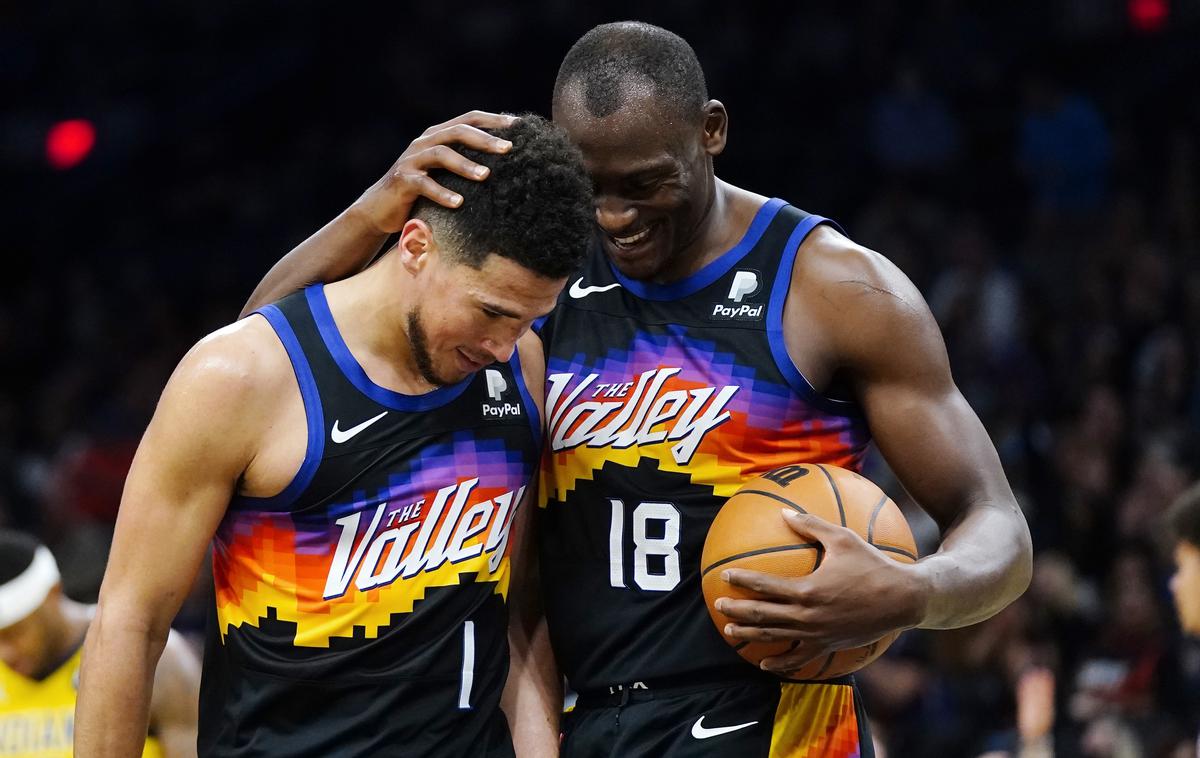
[(649, 518)]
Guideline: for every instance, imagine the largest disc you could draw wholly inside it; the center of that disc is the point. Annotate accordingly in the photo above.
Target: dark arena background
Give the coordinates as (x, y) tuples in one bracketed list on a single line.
[(1033, 166)]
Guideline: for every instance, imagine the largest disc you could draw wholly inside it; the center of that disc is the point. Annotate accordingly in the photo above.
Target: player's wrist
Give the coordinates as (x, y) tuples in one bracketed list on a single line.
[(917, 591), (368, 215)]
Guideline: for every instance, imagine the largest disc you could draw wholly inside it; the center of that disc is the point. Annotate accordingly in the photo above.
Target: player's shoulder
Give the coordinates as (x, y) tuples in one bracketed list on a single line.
[(245, 356), (862, 303), (851, 279)]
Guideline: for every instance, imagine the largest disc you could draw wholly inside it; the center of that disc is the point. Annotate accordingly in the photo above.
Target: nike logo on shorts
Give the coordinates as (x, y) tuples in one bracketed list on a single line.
[(338, 436), (578, 290), (701, 732)]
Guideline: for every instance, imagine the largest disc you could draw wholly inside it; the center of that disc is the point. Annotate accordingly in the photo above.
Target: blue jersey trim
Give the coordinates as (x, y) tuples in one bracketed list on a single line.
[(713, 271), (312, 411), (354, 372), (535, 419), (783, 280)]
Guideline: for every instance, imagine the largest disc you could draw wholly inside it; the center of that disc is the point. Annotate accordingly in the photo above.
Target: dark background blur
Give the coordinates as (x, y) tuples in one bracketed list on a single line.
[(1031, 165)]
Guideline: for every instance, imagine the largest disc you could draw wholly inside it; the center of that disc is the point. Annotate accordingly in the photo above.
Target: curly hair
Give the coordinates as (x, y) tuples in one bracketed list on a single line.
[(534, 208), (605, 59)]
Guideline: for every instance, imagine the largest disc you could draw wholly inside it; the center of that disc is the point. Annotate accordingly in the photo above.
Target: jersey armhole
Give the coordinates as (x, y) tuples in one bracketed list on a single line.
[(535, 419), (779, 291), (313, 414)]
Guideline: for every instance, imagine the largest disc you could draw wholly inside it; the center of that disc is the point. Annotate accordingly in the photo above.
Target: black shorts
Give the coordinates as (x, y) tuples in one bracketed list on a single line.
[(762, 718)]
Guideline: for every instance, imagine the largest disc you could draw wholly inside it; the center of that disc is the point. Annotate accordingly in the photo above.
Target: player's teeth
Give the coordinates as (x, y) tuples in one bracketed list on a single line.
[(635, 238)]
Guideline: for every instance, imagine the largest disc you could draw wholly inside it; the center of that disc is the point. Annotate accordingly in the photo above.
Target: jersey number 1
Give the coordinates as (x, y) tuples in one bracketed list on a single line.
[(663, 577)]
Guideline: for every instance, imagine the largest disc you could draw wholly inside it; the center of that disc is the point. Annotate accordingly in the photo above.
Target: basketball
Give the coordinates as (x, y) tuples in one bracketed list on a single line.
[(749, 533)]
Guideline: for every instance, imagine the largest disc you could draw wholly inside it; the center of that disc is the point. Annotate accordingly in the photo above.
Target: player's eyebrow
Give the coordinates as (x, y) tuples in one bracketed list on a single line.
[(510, 314), (499, 309), (652, 171)]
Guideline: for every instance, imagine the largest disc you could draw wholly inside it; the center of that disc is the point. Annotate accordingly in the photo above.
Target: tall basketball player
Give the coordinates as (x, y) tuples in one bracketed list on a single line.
[(713, 334), (357, 455), (41, 637)]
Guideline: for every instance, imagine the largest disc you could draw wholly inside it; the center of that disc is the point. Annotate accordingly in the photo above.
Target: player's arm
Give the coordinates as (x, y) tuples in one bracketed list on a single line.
[(185, 470), (353, 238), (883, 338), (174, 702), (533, 696)]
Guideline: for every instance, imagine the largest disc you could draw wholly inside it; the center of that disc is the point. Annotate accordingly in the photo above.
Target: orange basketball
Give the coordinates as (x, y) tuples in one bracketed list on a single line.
[(750, 533)]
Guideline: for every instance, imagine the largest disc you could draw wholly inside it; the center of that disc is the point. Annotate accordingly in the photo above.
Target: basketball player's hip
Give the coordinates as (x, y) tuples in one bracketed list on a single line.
[(758, 717)]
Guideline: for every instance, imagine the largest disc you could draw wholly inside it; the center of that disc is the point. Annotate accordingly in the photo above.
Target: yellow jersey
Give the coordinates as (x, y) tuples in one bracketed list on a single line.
[(37, 717)]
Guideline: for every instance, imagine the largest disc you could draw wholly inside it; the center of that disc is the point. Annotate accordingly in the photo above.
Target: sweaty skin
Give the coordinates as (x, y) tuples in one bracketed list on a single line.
[(855, 326), (231, 421)]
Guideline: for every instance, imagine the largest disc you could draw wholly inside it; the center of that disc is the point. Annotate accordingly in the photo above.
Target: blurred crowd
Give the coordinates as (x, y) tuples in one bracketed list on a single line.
[(1034, 168)]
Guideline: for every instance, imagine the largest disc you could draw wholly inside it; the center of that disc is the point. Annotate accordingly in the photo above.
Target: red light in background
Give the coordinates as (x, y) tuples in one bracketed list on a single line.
[(69, 142), (1148, 15)]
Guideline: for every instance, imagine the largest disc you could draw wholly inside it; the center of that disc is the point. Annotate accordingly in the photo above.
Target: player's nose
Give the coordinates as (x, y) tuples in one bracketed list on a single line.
[(500, 349), (613, 214)]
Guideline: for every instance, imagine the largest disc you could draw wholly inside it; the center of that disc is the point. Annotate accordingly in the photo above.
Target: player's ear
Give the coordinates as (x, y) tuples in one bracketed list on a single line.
[(415, 245), (716, 127)]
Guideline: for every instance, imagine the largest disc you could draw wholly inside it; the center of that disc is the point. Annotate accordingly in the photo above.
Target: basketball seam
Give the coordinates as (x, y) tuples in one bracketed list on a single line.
[(899, 550), (773, 496), (837, 495), (763, 551), (874, 515)]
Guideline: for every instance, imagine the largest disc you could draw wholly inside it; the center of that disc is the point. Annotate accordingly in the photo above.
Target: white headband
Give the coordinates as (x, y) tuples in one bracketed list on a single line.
[(25, 593)]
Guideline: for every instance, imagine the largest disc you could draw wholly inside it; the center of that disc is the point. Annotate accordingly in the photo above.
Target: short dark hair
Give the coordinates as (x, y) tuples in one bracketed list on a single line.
[(16, 554), (608, 56), (1183, 518), (535, 207)]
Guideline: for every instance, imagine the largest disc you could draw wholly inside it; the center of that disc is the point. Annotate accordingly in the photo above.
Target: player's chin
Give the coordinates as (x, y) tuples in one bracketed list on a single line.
[(642, 262)]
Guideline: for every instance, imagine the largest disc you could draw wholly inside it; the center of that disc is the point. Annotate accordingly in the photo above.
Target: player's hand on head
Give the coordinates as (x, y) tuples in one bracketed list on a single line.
[(387, 203), (856, 596)]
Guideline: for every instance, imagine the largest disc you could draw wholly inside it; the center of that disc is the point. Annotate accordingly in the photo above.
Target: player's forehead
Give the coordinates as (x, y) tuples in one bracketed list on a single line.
[(508, 287), (641, 134)]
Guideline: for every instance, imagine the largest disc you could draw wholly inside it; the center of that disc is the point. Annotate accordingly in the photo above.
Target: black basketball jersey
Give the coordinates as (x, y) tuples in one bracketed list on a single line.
[(661, 400), (361, 612)]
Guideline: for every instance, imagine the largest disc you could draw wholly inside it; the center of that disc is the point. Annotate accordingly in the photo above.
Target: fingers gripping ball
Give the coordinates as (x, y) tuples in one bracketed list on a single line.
[(749, 533)]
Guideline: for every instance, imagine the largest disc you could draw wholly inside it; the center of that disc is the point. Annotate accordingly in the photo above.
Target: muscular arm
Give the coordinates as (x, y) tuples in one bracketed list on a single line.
[(186, 468), (852, 316), (533, 697), (350, 241), (936, 445), (174, 703)]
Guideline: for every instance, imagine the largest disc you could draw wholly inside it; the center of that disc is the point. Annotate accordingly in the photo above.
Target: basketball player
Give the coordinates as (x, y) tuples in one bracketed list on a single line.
[(357, 454), (1184, 520), (41, 635), (714, 334)]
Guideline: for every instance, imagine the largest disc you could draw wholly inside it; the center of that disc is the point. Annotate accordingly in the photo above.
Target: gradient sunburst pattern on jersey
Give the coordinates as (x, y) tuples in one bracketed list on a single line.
[(282, 561), (816, 721), (770, 425)]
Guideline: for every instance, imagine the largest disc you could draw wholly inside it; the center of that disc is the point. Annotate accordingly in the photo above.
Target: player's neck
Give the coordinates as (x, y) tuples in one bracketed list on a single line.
[(370, 311), (722, 225)]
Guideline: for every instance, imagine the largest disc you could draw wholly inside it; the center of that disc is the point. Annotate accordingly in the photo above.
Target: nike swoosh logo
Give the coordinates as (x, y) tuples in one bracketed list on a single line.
[(578, 290), (701, 732), (338, 436)]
